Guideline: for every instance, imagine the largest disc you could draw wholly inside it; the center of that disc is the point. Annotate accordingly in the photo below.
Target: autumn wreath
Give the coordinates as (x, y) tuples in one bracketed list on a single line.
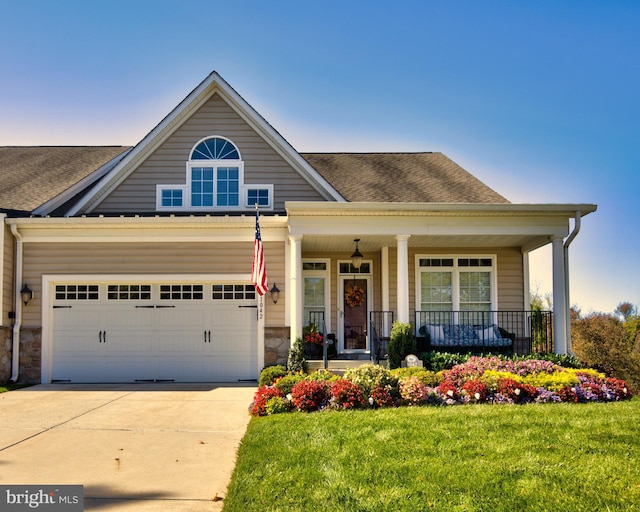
[(354, 296)]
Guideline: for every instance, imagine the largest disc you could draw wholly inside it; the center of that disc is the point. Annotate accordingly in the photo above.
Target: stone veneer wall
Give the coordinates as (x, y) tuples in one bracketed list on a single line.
[(276, 351), (276, 345), (5, 354), (30, 355)]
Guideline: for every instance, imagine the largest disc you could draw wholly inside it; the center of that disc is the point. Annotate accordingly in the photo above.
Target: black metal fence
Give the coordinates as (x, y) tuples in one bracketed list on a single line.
[(380, 323), (522, 332)]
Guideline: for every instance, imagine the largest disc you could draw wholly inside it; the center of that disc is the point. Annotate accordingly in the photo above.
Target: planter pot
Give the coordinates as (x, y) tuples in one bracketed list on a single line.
[(312, 350)]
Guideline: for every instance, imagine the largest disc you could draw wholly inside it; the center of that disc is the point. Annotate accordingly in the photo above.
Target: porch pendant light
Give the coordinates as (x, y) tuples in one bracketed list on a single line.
[(356, 257)]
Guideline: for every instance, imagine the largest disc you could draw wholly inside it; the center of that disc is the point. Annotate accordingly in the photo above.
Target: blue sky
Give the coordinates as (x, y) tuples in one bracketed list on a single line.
[(540, 100)]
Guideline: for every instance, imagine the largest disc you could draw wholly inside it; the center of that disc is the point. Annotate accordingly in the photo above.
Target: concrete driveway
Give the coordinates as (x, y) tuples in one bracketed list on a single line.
[(136, 447)]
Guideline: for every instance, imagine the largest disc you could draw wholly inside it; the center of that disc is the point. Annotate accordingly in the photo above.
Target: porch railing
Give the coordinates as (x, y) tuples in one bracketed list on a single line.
[(380, 323), (529, 331)]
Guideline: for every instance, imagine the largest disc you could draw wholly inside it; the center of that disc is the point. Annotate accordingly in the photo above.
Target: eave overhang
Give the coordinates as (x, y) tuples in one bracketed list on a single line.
[(332, 227), (150, 229)]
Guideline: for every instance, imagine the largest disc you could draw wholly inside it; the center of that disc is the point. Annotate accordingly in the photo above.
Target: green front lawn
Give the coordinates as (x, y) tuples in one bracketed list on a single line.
[(536, 457)]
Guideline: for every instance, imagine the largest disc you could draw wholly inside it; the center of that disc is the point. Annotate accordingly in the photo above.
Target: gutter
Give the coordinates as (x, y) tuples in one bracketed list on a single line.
[(572, 236), (17, 324)]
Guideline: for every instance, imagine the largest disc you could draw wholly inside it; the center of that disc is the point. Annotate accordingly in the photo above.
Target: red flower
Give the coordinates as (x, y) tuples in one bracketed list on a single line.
[(258, 406), (515, 390), (476, 390), (346, 395), (309, 395), (448, 388)]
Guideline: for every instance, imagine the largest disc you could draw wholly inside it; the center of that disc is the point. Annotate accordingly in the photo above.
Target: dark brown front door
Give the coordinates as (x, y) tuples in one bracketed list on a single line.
[(355, 314)]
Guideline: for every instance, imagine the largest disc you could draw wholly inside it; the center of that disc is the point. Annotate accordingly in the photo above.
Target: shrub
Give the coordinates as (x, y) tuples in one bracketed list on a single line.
[(270, 373), (438, 361), (383, 397), (322, 376), (309, 395), (264, 393), (297, 362), (277, 405), (345, 395), (413, 391), (402, 342), (428, 378), (602, 342), (371, 376), (564, 360), (552, 381), (286, 383)]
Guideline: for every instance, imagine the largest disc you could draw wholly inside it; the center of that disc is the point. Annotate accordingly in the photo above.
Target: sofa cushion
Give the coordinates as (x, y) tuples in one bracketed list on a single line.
[(462, 335)]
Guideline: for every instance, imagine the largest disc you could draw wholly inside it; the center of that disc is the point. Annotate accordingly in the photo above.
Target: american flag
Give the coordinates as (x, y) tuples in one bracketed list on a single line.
[(259, 270)]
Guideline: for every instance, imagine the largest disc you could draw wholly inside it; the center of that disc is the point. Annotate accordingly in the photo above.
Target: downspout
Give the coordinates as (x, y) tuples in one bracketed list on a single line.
[(574, 233), (17, 323)]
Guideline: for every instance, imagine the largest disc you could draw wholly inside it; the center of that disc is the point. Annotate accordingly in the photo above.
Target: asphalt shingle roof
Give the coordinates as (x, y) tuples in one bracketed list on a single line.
[(401, 177), (32, 175)]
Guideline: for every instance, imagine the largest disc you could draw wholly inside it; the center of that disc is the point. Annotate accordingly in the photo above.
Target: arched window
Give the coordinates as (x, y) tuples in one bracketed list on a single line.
[(214, 172), (215, 180), (215, 148)]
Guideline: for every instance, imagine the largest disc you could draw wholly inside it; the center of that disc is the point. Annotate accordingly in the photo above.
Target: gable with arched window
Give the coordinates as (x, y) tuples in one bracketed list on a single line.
[(214, 181)]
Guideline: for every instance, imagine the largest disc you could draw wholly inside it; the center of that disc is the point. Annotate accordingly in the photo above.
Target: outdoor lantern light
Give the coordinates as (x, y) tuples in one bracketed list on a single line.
[(26, 294), (356, 257), (275, 293)]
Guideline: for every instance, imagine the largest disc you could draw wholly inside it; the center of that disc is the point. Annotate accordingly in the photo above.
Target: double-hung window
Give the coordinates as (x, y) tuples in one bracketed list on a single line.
[(456, 283), (215, 180), (214, 171), (316, 306)]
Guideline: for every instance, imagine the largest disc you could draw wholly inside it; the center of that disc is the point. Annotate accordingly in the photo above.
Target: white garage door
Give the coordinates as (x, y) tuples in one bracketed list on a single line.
[(154, 332)]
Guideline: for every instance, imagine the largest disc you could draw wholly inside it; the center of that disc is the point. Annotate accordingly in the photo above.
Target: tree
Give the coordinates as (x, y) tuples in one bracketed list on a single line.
[(603, 341), (626, 310)]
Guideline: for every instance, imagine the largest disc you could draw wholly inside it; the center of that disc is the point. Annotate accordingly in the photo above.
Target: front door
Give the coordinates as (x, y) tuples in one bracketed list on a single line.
[(355, 307)]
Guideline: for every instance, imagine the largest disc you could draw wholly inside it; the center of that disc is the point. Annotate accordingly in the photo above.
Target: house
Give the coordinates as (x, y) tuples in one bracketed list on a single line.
[(124, 264)]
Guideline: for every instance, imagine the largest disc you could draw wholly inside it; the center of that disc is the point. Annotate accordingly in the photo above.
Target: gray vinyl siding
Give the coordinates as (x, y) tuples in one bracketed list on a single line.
[(7, 274), (167, 165), (150, 258)]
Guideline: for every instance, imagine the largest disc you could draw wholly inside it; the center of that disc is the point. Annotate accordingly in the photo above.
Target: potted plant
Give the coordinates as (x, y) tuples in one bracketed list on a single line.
[(312, 340)]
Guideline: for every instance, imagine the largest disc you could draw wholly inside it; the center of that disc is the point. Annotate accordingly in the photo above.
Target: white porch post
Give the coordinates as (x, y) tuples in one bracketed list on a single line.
[(403, 278), (295, 287), (560, 312), (384, 271)]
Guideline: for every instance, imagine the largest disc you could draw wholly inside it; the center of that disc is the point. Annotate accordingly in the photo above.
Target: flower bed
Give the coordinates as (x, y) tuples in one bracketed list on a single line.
[(488, 380)]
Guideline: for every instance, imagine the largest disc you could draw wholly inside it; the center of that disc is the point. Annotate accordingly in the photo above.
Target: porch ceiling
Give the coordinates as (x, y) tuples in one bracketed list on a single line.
[(373, 243)]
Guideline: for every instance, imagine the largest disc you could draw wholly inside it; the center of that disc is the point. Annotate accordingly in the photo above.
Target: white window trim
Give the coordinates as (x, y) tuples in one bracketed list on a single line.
[(215, 165), (245, 193), (243, 188), (455, 276), (160, 188), (326, 274)]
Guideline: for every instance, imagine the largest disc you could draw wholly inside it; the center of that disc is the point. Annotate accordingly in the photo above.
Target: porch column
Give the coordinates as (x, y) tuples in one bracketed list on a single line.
[(560, 312), (403, 278), (295, 287), (384, 274)]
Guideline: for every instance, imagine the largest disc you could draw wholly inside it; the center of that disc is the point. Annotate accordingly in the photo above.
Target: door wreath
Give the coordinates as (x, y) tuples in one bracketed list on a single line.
[(354, 296)]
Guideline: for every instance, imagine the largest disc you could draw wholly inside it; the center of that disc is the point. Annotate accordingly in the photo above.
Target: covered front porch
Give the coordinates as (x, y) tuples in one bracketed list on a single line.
[(458, 273)]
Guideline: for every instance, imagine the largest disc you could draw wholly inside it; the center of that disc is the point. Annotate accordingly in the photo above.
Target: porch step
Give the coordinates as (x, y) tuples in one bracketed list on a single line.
[(337, 366)]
